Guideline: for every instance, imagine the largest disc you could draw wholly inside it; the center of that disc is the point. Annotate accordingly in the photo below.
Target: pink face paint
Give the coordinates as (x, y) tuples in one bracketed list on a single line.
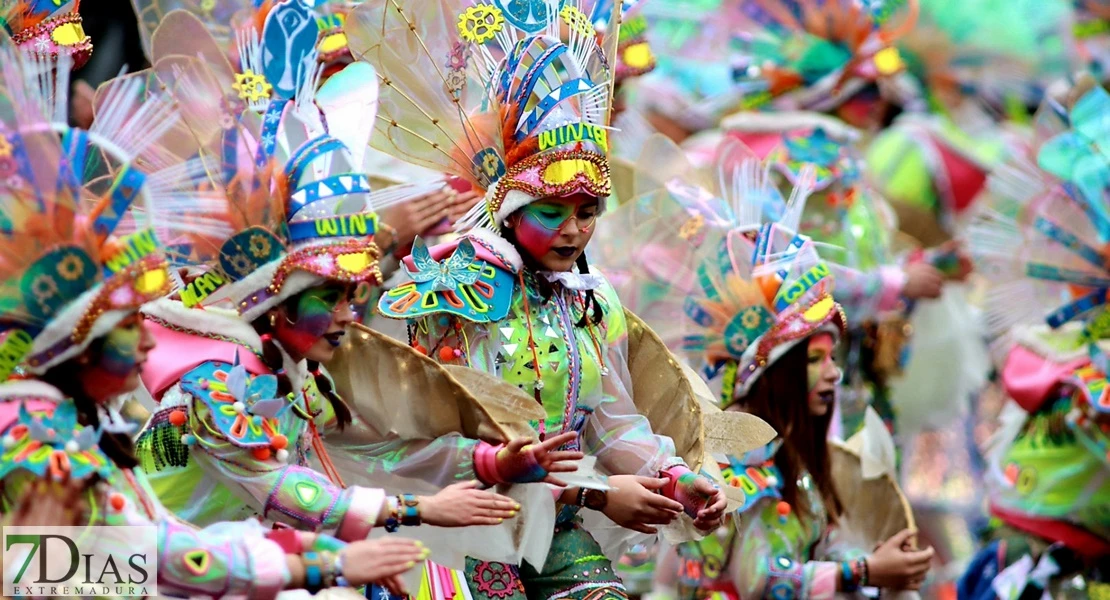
[(315, 315)]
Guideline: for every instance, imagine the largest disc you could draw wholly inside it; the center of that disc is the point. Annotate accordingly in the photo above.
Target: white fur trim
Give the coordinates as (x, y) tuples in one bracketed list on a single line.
[(500, 244), (31, 388), (210, 321), (61, 327), (761, 122)]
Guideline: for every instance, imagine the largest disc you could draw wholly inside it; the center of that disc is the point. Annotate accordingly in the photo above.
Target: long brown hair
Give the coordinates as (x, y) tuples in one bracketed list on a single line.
[(780, 397)]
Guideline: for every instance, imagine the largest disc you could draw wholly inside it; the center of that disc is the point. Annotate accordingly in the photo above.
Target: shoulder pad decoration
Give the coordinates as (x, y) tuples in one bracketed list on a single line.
[(244, 407), (53, 444), (470, 284), (755, 474)]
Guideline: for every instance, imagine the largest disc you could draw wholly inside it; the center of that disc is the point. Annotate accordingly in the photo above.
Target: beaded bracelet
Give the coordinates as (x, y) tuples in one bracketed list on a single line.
[(410, 513), (393, 519), (853, 574)]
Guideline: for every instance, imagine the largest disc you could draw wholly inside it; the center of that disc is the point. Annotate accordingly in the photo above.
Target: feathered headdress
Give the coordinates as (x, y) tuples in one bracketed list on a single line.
[(67, 193), (47, 29), (492, 95), (633, 50), (729, 288), (1042, 234), (816, 55), (992, 50), (298, 207)]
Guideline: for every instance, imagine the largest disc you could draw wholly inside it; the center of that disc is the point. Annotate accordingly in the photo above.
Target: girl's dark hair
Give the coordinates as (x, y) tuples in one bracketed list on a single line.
[(780, 397), (591, 309), (116, 446), (271, 357)]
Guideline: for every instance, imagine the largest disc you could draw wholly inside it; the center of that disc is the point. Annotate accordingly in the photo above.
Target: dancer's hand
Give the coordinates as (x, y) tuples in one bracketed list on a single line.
[(709, 517), (381, 560), (514, 463), (894, 566), (923, 281), (461, 204), (634, 504), (464, 505), (414, 217)]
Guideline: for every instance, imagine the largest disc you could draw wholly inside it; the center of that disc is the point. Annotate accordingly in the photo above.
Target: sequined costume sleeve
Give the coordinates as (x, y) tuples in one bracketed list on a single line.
[(615, 432), (384, 456), (226, 559), (290, 493), (769, 558), (865, 295), (436, 462)]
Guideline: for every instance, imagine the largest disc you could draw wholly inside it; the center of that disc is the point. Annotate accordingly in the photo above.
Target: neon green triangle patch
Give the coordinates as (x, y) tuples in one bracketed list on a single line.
[(307, 492)]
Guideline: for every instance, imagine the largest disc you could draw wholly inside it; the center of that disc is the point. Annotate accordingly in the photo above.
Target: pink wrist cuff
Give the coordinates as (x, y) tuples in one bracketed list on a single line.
[(894, 279), (271, 575), (485, 463), (680, 488), (362, 513), (825, 577)]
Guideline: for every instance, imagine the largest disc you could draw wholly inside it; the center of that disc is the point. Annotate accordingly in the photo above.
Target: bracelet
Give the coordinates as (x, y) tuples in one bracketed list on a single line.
[(337, 568), (853, 574), (410, 510), (313, 571), (864, 570), (393, 519)]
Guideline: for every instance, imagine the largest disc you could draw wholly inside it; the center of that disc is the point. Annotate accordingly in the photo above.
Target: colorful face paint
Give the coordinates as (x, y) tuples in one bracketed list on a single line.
[(120, 353), (315, 313), (820, 359), (542, 222)]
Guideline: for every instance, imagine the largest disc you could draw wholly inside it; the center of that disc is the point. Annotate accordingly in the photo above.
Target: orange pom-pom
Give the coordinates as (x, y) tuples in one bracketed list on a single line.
[(261, 453), (178, 418), (279, 442), (447, 354), (117, 502), (769, 285), (420, 349), (783, 508)]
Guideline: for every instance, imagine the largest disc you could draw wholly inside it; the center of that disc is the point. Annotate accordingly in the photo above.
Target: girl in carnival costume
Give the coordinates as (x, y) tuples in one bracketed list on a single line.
[(755, 304), (494, 96), (1038, 242), (73, 290), (273, 294)]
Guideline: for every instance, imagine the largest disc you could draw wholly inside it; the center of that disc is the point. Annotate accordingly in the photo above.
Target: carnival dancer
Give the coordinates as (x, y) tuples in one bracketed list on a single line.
[(71, 323), (760, 316), (275, 298), (1049, 480), (506, 298)]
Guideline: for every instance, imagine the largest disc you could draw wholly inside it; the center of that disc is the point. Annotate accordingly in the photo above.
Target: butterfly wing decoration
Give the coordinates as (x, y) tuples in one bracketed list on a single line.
[(426, 266), (237, 380), (458, 266), (263, 399)]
